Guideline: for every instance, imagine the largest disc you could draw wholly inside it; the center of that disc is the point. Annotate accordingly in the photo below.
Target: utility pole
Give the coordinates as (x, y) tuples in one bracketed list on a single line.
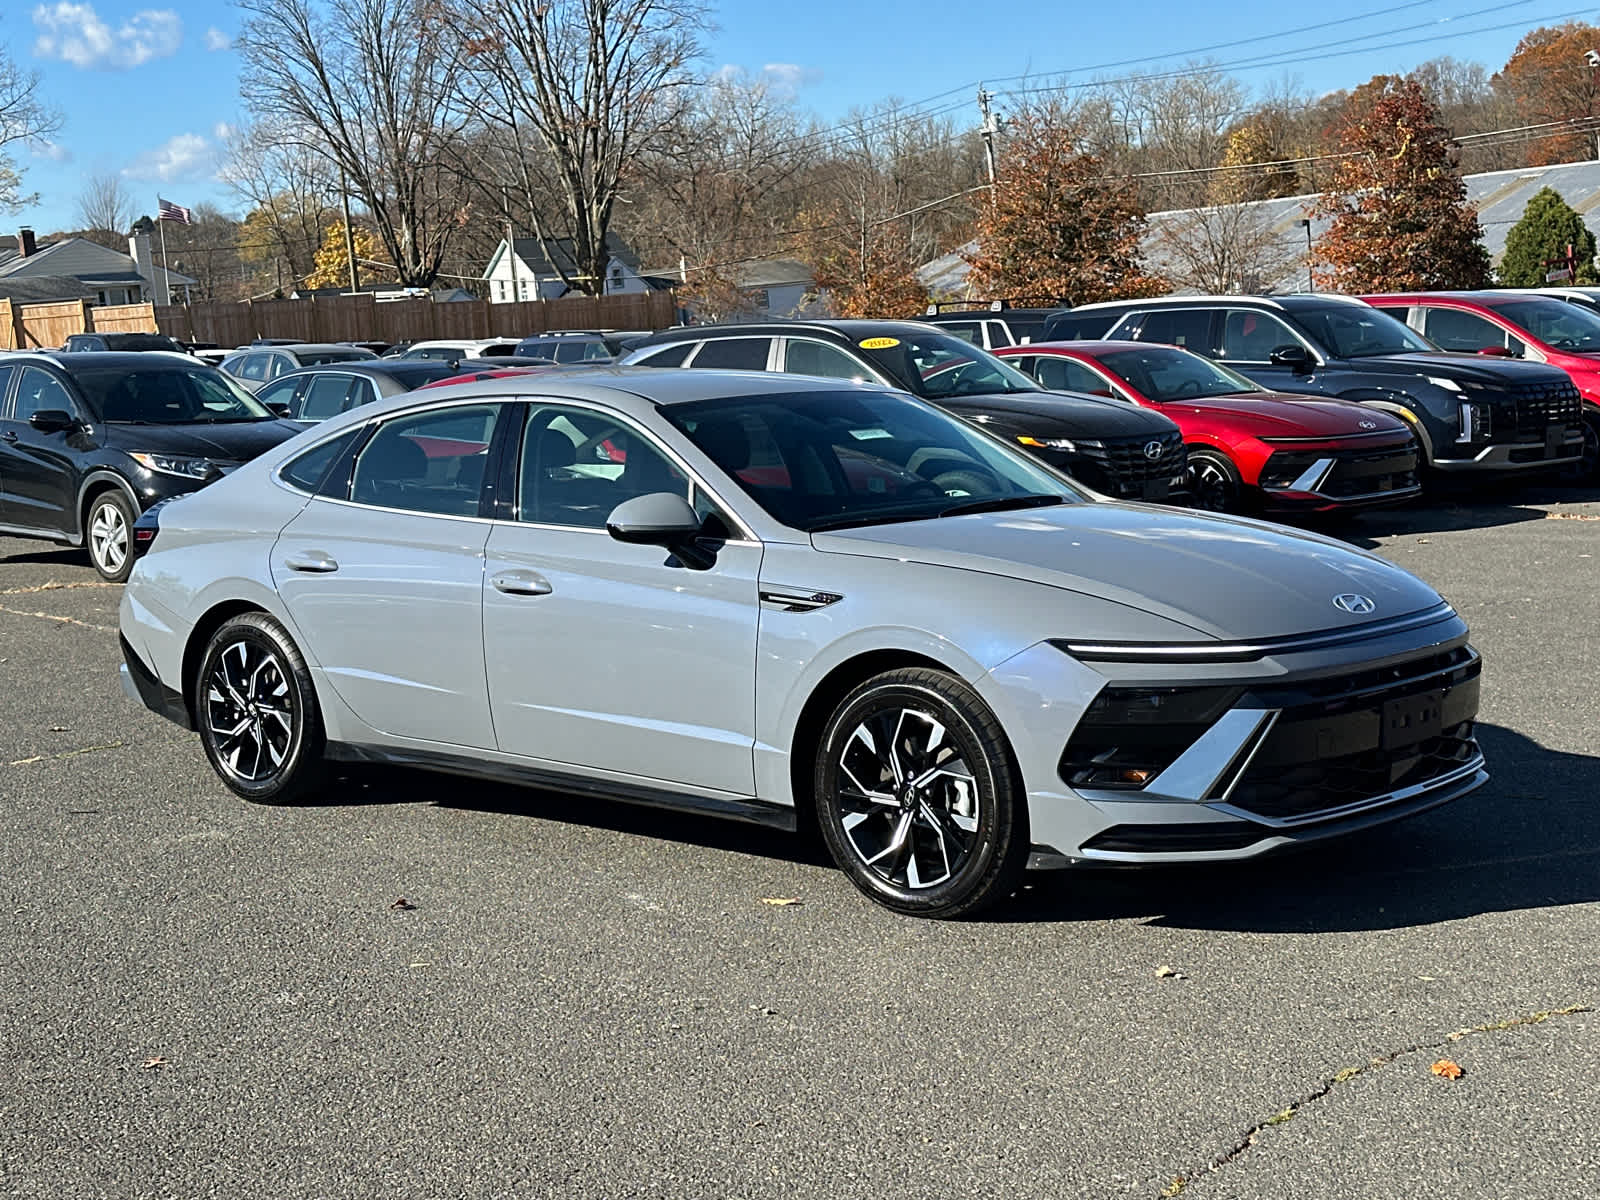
[(990, 127), (511, 241), (349, 234)]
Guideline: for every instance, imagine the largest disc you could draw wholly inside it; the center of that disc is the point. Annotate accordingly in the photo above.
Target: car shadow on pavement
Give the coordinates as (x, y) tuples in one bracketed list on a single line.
[(1530, 838), (51, 558)]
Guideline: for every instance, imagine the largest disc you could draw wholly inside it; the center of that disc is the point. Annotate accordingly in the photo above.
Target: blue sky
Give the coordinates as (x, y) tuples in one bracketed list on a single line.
[(149, 90)]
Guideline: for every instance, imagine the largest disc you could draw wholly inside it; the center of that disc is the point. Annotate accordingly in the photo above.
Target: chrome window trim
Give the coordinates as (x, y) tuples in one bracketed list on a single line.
[(1249, 651)]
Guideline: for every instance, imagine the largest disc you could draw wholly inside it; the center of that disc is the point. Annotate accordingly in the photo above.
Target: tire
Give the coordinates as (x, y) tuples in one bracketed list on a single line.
[(948, 848), (1587, 469), (256, 709), (108, 535), (1214, 484)]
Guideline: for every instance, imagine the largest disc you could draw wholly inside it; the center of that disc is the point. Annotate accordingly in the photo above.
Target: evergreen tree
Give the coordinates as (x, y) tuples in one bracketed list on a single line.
[(1400, 217), (1548, 226)]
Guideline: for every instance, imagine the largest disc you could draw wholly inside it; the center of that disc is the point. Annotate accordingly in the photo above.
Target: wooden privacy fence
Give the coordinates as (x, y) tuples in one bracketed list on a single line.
[(332, 319)]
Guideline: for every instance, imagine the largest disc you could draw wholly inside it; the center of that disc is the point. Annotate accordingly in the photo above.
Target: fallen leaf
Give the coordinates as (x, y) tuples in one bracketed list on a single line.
[(403, 904), (1447, 1069), (1168, 973), (763, 1010), (781, 901), (1175, 1188), (60, 729), (151, 1063)]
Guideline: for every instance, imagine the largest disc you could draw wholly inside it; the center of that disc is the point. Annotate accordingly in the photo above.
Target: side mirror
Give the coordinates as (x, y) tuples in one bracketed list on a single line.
[(1496, 352), (1290, 356), (276, 408), (53, 420), (659, 519)]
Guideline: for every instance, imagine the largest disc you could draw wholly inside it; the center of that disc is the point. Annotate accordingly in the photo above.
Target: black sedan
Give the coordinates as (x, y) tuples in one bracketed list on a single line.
[(314, 394), (1117, 449)]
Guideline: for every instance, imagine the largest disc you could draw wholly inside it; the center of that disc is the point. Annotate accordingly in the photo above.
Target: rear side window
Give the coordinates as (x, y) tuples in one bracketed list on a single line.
[(308, 470), (734, 354), (668, 356), (967, 331), (1082, 327), (5, 381), (1186, 327), (1066, 375), (248, 366)]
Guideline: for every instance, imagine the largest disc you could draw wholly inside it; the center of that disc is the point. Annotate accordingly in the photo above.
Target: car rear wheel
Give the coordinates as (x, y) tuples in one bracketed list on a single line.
[(108, 535), (1213, 483), (917, 798), (256, 709), (1587, 469)]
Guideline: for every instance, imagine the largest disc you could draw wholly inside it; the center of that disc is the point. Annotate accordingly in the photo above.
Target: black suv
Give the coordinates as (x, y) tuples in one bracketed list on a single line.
[(993, 326), (1117, 449), (78, 343), (1469, 412), (90, 440)]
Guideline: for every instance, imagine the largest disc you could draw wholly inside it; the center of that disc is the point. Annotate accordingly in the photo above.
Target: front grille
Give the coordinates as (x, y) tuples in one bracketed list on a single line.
[(1342, 741), (1354, 472), (1542, 404), (1125, 466)]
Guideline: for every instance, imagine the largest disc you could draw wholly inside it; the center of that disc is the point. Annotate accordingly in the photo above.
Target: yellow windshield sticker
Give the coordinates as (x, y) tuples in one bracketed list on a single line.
[(878, 343)]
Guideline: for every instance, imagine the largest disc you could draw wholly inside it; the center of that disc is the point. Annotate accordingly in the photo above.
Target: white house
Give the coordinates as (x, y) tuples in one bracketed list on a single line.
[(525, 273)]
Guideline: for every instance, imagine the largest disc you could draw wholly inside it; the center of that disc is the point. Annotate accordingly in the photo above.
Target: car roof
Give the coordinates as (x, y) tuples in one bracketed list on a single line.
[(1286, 303), (843, 330), (1088, 347), (296, 346), (82, 359), (1483, 296), (367, 366)]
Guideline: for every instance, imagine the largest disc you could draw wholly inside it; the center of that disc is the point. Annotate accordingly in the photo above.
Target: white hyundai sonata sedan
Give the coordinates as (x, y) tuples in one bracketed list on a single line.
[(791, 600)]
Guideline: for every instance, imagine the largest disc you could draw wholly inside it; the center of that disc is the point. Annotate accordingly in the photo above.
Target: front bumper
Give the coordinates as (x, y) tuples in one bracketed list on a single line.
[(1517, 456), (1339, 478), (1318, 739)]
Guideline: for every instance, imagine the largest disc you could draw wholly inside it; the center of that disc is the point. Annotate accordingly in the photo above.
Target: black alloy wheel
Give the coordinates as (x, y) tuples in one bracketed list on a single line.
[(108, 536), (1587, 469), (1213, 483), (256, 709), (917, 797)]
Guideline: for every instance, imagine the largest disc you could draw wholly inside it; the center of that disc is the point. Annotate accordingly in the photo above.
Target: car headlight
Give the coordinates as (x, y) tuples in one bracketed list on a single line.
[(1067, 444), (1460, 385), (184, 465)]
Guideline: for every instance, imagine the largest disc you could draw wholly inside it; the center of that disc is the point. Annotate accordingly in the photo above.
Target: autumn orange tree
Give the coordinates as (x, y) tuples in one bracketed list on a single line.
[(1548, 79), (1398, 207), (1057, 227), (864, 264)]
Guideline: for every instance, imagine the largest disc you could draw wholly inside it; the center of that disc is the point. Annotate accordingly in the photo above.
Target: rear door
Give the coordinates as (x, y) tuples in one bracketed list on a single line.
[(384, 576)]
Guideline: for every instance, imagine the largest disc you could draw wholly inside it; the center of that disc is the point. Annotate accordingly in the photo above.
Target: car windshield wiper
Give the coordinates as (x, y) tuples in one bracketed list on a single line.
[(857, 520), (1001, 504)]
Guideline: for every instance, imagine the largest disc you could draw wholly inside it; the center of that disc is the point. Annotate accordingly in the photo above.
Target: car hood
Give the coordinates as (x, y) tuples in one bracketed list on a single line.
[(1063, 412), (1479, 368), (1224, 577), (225, 442), (1272, 414)]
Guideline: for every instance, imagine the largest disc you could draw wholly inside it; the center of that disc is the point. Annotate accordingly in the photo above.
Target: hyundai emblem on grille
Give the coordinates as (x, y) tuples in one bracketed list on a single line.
[(1152, 450), (1352, 603)]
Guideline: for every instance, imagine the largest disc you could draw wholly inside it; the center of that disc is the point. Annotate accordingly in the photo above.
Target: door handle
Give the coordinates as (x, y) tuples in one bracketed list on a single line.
[(314, 562), (521, 583), (9, 435)]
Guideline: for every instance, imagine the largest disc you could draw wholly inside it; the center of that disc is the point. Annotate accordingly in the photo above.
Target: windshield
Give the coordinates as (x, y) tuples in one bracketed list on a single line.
[(1163, 373), (937, 366), (1356, 331), (168, 396), (829, 460), (1554, 322)]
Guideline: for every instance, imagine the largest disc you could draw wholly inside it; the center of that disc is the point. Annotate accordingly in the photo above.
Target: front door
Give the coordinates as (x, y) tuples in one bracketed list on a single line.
[(37, 471), (611, 656), (385, 581)]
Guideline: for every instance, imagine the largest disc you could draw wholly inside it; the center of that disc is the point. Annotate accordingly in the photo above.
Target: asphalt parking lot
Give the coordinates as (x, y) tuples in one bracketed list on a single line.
[(430, 988)]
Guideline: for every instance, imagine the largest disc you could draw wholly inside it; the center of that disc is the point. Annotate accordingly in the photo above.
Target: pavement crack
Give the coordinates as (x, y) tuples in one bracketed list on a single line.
[(1284, 1115), (21, 612), (81, 750)]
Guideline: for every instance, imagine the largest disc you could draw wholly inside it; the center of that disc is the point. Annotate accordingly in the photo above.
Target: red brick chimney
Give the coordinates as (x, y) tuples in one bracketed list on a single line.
[(25, 243)]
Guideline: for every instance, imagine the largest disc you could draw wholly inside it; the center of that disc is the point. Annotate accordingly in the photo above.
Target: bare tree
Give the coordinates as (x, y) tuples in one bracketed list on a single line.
[(24, 117), (290, 196), (575, 92), (104, 205), (372, 87), (1220, 249)]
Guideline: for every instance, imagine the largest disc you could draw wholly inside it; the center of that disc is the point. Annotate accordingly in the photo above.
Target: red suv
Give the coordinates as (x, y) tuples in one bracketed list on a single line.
[(1514, 325), (1248, 447)]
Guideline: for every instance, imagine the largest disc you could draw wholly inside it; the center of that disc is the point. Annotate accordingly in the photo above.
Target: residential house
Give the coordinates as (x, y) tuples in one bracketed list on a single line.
[(778, 287), (526, 273), (111, 276)]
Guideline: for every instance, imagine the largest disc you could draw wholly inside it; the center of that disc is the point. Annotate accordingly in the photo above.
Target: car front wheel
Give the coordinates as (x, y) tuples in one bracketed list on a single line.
[(1214, 483), (108, 534), (917, 797), (256, 709)]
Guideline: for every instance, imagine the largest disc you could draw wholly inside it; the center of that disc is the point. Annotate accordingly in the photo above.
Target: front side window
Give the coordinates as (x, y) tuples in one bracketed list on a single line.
[(668, 356), (1554, 322), (801, 357), (578, 464), (327, 396), (1161, 373), (1358, 331), (829, 460), (1451, 329), (281, 392), (1250, 336), (248, 366), (429, 462), (937, 366), (1066, 375), (40, 391)]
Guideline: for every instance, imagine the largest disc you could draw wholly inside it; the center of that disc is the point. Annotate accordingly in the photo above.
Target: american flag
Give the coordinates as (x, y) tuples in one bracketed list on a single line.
[(166, 210)]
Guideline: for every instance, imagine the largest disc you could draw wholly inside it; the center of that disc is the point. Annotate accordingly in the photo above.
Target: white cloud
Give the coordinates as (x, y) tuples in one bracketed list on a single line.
[(790, 75), (184, 157), (75, 33), (54, 151), (217, 40), (222, 131)]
